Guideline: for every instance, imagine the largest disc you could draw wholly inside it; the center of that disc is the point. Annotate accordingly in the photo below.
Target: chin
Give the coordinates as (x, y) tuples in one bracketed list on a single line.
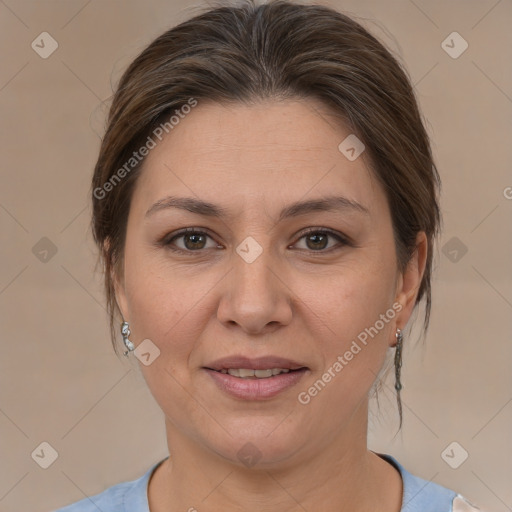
[(264, 444)]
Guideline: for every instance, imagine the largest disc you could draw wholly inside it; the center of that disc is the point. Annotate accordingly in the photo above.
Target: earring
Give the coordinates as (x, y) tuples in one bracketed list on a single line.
[(125, 331), (398, 366), (398, 358)]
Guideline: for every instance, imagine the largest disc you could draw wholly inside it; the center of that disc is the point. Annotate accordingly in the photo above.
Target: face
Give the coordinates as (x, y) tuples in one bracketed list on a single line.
[(260, 279)]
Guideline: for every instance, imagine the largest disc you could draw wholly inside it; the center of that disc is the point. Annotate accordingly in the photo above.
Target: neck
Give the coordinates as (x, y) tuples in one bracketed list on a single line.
[(339, 476)]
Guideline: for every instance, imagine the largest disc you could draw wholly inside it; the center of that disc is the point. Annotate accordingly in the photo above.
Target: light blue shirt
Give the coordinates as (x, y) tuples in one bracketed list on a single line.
[(418, 495)]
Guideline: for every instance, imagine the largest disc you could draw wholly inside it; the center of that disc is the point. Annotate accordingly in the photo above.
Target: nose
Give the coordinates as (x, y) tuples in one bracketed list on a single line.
[(256, 296)]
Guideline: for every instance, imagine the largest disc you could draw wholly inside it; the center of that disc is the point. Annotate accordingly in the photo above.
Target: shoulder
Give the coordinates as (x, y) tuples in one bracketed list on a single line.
[(130, 496), (421, 495), (109, 500)]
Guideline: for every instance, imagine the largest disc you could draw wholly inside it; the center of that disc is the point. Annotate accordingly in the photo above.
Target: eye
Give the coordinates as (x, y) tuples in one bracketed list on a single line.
[(318, 239), (193, 240)]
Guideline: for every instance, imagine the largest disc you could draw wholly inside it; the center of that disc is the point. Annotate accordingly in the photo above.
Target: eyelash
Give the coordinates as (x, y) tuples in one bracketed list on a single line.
[(169, 239)]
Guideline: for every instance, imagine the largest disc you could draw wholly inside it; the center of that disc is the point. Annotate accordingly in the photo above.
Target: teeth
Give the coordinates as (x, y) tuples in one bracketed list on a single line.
[(246, 373)]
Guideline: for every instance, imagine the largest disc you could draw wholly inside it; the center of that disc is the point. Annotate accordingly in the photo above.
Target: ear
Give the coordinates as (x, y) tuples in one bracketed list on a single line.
[(120, 292), (117, 279), (409, 282)]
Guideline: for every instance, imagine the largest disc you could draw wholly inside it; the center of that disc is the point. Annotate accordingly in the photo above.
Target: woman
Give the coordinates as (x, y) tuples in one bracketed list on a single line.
[(266, 205)]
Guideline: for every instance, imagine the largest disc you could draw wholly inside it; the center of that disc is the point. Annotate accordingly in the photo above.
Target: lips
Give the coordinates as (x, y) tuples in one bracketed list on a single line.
[(260, 363), (253, 388)]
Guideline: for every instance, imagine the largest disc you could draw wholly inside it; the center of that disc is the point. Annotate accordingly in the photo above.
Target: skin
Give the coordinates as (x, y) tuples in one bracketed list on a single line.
[(301, 298)]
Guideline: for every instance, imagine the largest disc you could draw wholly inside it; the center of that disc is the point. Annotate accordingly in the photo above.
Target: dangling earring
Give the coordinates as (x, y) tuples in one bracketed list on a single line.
[(398, 358), (398, 367), (125, 331)]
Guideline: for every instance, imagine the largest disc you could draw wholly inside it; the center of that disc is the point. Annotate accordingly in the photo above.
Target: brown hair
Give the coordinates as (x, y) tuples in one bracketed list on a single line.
[(282, 49)]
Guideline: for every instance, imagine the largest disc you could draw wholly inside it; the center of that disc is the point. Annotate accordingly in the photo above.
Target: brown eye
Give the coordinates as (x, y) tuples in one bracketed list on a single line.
[(192, 240), (318, 239)]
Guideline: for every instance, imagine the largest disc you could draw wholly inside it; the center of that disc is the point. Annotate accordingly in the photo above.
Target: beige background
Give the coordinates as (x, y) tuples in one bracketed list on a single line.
[(60, 381)]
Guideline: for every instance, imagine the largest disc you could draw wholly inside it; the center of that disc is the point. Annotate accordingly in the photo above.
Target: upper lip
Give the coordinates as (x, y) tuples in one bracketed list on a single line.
[(258, 363)]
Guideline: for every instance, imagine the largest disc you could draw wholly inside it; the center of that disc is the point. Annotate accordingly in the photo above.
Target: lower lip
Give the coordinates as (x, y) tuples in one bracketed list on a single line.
[(256, 389)]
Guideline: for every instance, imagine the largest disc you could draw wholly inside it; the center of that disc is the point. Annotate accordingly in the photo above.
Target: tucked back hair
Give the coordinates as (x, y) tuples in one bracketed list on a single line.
[(245, 52)]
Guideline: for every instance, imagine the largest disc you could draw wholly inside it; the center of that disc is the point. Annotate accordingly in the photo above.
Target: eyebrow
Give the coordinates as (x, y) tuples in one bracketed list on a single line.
[(199, 207)]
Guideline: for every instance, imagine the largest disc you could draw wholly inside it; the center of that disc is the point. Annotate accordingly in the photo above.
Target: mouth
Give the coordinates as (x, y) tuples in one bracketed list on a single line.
[(242, 366), (255, 379), (249, 373)]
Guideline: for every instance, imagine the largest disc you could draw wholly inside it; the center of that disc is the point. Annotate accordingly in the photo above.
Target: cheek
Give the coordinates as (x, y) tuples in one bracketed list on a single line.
[(347, 309), (165, 311), (161, 301), (350, 297), (353, 349)]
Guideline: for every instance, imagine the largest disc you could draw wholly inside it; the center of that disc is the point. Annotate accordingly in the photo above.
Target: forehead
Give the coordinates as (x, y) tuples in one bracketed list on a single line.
[(264, 152)]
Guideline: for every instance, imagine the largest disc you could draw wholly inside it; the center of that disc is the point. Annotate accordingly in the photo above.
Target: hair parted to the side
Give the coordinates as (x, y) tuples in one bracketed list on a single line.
[(245, 52)]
